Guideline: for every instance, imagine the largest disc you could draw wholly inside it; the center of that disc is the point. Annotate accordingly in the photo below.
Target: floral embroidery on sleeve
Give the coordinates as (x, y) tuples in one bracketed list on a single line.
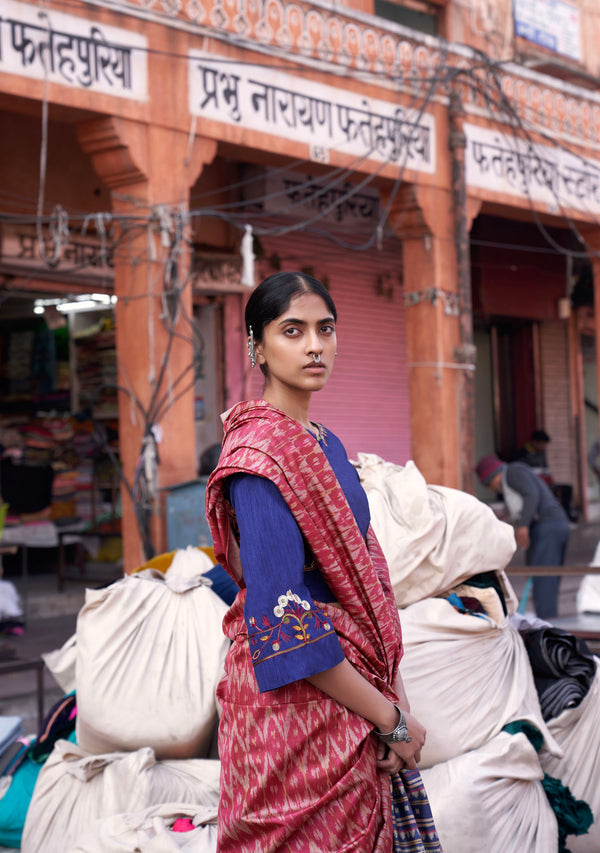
[(298, 624)]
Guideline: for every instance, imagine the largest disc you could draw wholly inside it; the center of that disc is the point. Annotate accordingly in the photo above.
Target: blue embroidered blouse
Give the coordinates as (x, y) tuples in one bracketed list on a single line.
[(289, 634)]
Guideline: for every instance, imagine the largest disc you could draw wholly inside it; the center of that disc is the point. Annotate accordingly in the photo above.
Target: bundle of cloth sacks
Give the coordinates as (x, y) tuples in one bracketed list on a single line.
[(511, 707), (511, 704), (138, 768)]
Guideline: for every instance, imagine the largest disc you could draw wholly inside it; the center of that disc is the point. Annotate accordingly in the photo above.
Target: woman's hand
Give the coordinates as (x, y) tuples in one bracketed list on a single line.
[(393, 757)]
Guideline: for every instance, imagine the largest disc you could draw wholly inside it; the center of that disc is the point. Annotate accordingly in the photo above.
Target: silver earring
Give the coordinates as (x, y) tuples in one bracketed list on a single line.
[(316, 357), (251, 353)]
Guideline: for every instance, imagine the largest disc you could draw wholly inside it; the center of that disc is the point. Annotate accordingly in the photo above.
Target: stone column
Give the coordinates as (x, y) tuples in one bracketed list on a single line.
[(423, 219), (591, 234), (149, 170)]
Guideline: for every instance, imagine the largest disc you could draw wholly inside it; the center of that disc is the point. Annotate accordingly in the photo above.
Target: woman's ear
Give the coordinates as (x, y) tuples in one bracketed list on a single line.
[(260, 356)]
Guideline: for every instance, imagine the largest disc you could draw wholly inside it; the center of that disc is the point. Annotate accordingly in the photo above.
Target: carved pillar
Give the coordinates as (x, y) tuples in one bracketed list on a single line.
[(465, 352), (149, 171), (423, 218)]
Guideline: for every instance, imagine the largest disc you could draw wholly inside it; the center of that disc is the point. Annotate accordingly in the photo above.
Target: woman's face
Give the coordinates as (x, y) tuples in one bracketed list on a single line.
[(304, 330)]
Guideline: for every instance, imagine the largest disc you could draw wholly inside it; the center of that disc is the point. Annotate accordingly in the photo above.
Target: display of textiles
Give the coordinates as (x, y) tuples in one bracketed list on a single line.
[(70, 449), (97, 368), (563, 668)]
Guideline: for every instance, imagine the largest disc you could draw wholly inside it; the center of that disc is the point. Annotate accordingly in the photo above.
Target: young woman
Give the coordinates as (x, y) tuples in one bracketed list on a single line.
[(318, 746)]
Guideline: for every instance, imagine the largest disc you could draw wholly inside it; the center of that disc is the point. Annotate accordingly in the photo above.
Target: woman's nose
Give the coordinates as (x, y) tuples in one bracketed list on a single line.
[(313, 343)]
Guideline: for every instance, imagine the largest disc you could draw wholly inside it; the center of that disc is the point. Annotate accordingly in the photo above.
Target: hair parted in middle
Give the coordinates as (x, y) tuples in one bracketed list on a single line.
[(273, 296)]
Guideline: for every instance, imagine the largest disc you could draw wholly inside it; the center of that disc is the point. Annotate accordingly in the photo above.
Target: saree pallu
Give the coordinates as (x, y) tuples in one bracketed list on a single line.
[(301, 774)]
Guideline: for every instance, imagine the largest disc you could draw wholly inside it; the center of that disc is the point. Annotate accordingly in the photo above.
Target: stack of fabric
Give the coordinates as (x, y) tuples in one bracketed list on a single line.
[(467, 672), (97, 367), (39, 443), (84, 500)]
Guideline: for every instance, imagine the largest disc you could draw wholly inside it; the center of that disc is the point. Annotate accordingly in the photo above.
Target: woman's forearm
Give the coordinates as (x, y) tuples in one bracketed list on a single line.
[(347, 686)]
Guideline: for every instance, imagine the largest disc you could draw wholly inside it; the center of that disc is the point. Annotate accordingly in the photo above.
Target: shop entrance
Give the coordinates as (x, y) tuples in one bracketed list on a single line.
[(517, 397)]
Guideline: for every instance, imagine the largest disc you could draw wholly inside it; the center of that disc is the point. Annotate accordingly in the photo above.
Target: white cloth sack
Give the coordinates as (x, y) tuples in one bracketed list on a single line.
[(150, 652), (492, 800), (61, 664), (10, 603), (149, 832), (432, 537), (74, 789), (576, 730), (466, 677), (588, 594)]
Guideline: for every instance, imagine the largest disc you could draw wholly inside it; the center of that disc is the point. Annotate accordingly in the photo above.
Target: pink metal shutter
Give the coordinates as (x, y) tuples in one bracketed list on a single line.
[(366, 402)]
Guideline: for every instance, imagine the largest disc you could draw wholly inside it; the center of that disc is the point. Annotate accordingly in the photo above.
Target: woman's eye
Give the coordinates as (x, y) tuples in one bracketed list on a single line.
[(328, 329), (291, 332)]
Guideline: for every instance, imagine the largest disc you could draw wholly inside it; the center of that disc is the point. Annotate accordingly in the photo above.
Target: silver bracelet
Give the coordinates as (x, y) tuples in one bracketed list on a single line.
[(399, 734)]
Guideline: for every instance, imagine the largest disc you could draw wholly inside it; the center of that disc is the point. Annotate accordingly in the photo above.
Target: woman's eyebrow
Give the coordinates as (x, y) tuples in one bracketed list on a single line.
[(292, 320), (303, 322)]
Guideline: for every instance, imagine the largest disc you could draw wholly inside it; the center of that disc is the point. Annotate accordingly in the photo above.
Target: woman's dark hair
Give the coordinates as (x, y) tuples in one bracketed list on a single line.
[(273, 295), (209, 459)]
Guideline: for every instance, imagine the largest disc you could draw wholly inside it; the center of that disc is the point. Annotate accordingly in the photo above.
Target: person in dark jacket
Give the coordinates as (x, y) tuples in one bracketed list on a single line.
[(533, 453), (541, 525)]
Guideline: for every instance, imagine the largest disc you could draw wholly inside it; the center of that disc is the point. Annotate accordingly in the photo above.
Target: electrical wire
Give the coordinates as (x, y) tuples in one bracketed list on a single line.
[(481, 78)]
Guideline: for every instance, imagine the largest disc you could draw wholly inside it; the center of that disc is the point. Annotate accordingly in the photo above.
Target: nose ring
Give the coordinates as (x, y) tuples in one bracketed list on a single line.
[(316, 357)]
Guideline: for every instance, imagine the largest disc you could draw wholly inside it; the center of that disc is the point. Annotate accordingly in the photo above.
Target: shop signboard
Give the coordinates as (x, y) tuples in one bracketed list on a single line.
[(42, 43), (551, 24), (302, 196), (498, 162), (217, 272), (24, 247), (292, 107)]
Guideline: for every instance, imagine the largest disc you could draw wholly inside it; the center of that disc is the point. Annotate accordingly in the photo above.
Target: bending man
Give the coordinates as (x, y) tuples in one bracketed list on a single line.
[(542, 526)]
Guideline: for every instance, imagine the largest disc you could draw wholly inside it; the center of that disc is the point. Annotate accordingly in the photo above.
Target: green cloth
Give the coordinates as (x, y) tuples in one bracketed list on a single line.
[(574, 817)]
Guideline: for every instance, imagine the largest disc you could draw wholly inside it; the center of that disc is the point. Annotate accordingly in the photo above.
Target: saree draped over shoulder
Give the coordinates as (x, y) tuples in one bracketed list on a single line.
[(299, 770)]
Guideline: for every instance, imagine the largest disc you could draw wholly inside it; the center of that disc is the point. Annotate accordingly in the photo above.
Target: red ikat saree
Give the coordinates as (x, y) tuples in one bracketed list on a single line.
[(299, 770)]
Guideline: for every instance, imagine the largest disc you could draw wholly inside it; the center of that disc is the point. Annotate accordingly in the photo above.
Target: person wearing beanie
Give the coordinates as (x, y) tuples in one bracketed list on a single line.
[(541, 525)]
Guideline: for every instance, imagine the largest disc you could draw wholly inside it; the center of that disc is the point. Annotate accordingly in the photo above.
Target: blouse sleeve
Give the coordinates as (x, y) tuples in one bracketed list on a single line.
[(290, 638)]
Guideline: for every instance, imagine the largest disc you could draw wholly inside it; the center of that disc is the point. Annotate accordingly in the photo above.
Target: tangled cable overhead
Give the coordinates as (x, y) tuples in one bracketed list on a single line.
[(168, 248)]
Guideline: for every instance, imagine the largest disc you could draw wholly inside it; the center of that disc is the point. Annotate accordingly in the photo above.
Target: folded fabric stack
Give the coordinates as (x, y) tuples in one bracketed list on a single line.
[(468, 675), (563, 668), (97, 370), (39, 443), (84, 502)]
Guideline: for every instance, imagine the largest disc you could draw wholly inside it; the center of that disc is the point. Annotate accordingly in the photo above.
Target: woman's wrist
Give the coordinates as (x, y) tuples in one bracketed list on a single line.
[(389, 719)]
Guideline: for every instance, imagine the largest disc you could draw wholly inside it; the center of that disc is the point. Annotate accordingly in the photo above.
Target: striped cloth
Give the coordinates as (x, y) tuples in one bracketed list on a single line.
[(414, 829)]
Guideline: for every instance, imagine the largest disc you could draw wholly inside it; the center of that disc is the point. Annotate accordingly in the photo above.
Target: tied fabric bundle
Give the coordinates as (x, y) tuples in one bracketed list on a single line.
[(563, 668)]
